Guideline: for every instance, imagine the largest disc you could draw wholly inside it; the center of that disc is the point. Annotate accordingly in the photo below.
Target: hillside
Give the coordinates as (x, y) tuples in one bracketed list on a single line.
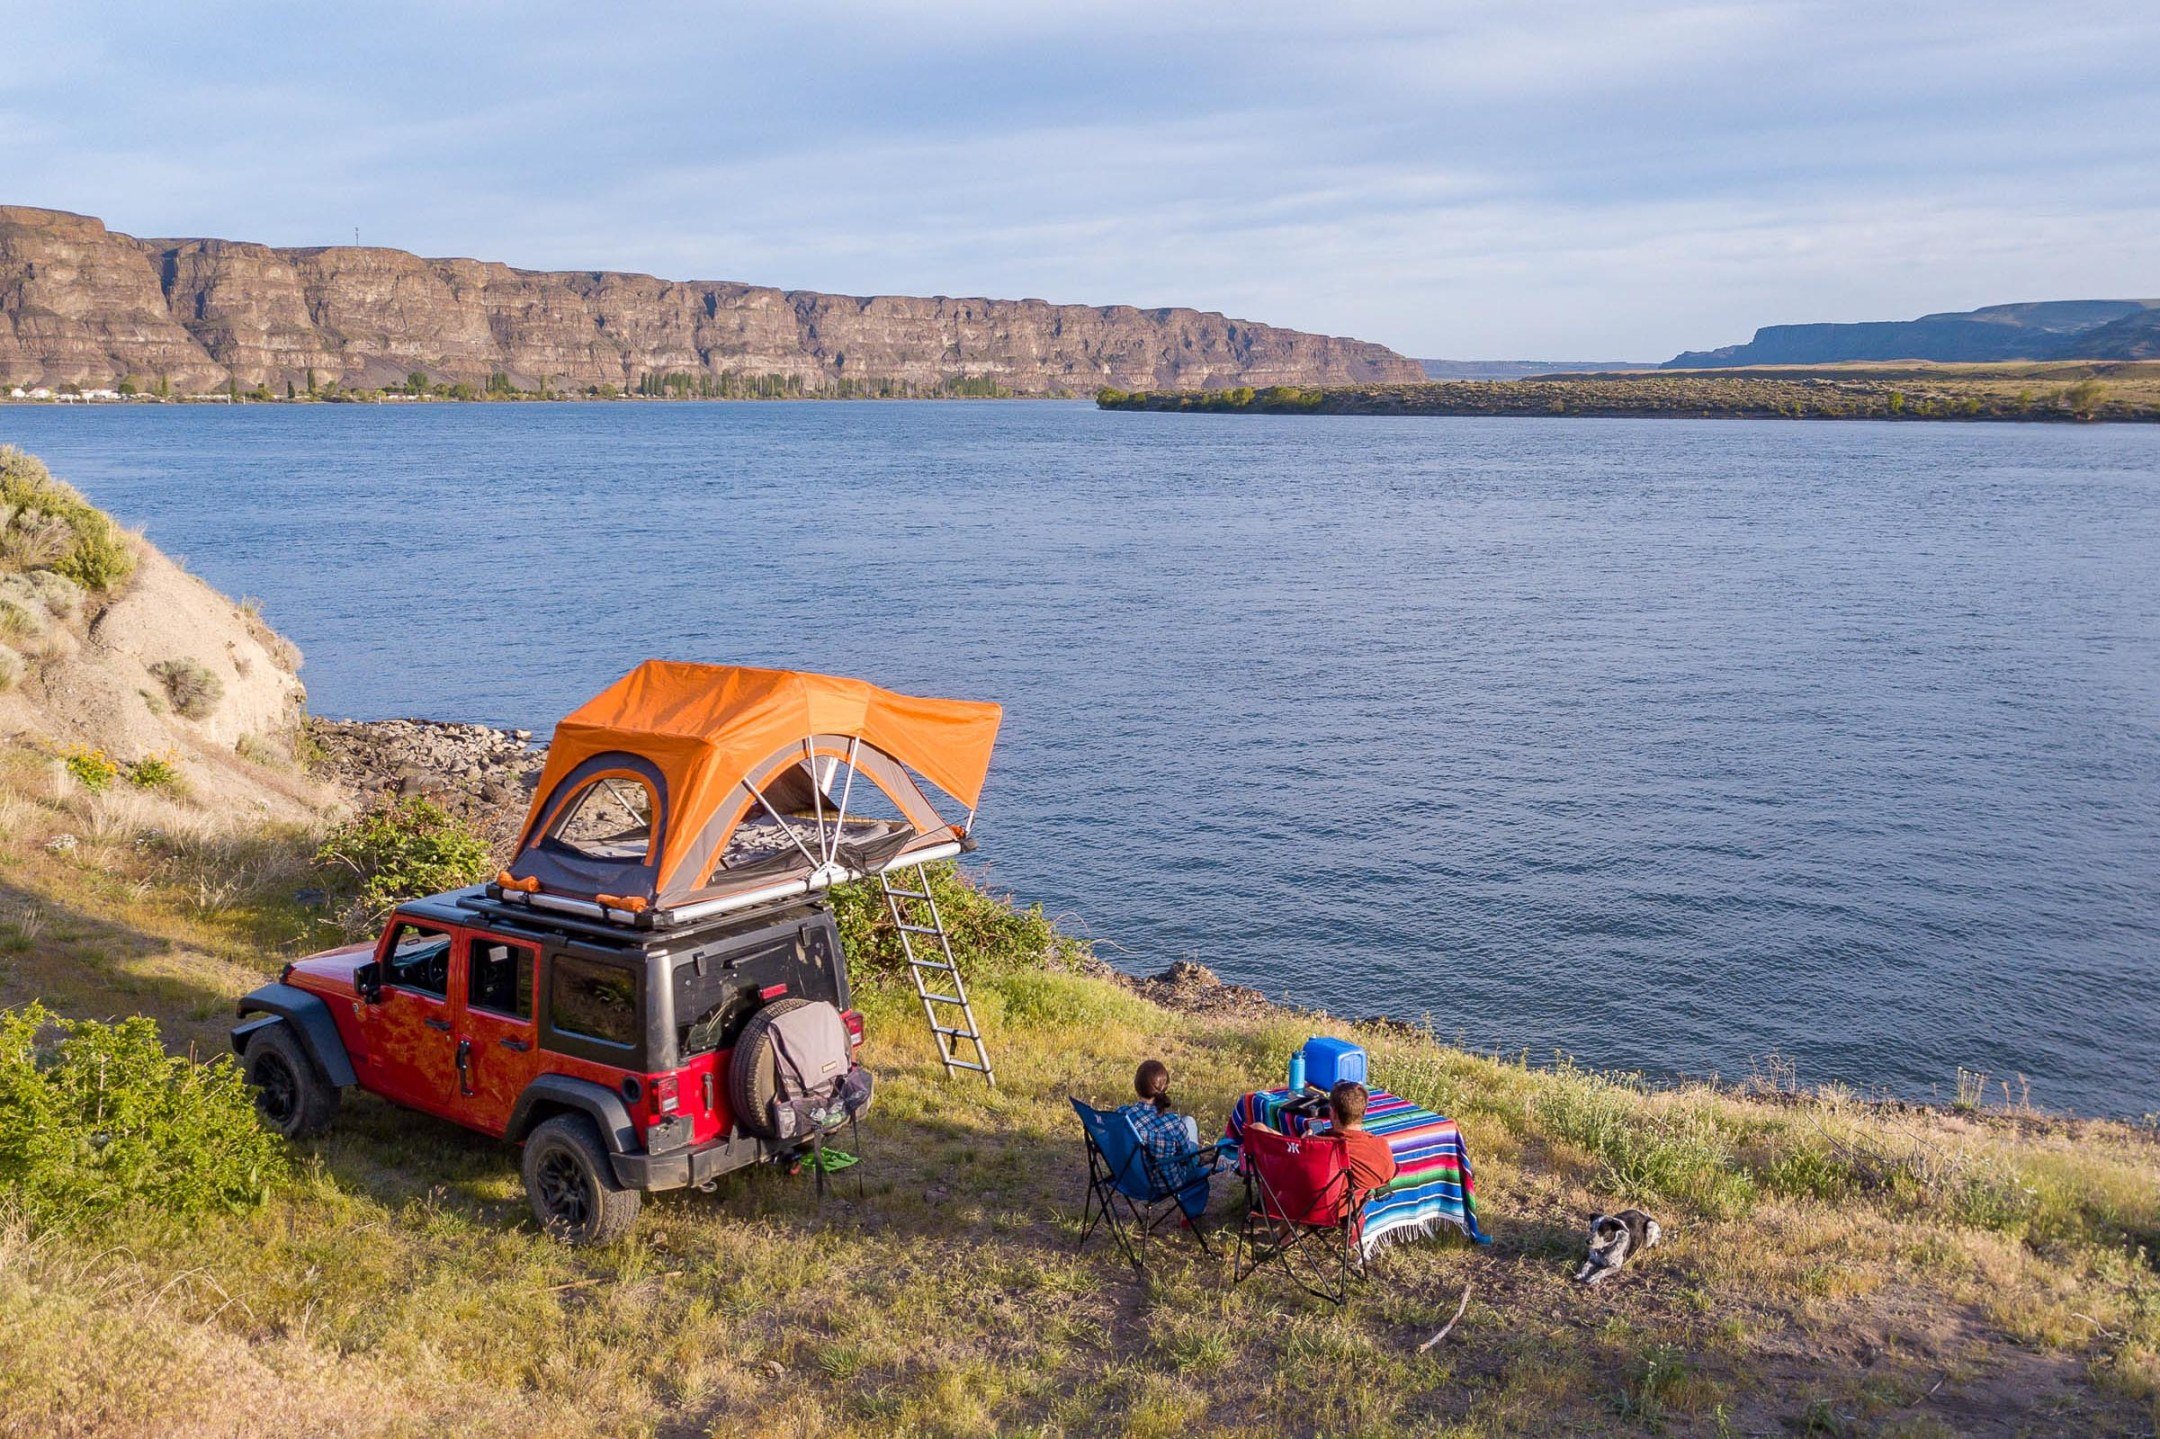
[(85, 305), (114, 655), (2044, 330), (1832, 1266)]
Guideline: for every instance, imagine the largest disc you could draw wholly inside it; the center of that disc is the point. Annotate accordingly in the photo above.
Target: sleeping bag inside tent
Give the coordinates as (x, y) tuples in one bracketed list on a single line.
[(683, 790)]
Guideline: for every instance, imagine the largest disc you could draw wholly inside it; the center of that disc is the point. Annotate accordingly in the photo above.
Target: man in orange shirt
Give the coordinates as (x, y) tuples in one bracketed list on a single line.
[(1372, 1163)]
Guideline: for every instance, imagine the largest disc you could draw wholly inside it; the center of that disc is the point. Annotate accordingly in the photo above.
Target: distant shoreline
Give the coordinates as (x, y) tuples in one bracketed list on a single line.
[(2127, 392)]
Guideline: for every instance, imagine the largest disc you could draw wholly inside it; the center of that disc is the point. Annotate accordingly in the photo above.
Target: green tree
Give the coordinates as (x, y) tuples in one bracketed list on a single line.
[(417, 382)]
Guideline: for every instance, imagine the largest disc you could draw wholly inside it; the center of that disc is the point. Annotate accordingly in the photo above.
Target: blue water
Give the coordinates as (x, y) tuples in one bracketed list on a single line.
[(1669, 744)]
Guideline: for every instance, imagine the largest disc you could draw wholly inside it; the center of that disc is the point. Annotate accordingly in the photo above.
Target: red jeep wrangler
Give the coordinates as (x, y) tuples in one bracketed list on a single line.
[(624, 1059), (618, 998)]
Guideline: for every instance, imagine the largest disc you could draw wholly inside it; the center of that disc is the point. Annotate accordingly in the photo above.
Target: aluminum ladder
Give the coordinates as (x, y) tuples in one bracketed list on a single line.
[(937, 975)]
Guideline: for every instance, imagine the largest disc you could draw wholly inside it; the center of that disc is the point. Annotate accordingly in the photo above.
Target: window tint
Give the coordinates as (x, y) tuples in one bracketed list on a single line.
[(611, 818), (500, 978), (419, 960), (591, 1000)]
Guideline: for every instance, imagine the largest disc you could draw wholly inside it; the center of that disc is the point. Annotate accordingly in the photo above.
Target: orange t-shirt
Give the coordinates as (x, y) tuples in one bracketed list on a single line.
[(1372, 1163)]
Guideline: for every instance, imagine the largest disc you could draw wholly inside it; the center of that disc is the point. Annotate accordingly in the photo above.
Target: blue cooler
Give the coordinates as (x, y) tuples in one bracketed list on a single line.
[(1328, 1062)]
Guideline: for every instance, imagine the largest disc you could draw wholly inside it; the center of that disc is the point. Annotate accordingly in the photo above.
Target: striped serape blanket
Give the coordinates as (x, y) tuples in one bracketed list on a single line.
[(1432, 1185)]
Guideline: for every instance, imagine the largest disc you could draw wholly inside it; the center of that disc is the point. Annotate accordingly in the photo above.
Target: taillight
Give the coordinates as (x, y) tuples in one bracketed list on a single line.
[(772, 991), (853, 1021), (666, 1094)]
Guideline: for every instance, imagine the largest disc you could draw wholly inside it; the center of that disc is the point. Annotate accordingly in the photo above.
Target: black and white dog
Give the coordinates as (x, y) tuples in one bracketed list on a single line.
[(1614, 1239)]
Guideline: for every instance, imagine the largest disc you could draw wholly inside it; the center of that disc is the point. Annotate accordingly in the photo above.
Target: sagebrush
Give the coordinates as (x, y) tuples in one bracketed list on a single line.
[(49, 526)]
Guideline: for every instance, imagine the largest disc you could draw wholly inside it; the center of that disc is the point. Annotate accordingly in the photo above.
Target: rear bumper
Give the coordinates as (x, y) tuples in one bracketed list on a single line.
[(684, 1167)]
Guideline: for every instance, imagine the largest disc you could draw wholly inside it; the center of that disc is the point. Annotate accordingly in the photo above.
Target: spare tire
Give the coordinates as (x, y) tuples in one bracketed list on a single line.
[(750, 1082)]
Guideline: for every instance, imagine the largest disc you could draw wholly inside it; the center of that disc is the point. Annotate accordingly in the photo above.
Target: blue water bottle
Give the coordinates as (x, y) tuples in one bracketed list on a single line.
[(1297, 1071)]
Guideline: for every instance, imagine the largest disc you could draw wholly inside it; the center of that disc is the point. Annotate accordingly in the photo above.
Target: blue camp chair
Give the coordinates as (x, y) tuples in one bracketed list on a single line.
[(1128, 1190)]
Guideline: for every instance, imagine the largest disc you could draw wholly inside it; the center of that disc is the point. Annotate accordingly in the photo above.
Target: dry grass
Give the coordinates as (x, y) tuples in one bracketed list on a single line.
[(1832, 1267)]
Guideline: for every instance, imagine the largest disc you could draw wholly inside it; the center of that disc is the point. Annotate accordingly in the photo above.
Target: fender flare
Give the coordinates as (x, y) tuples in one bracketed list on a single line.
[(595, 1101), (311, 1025)]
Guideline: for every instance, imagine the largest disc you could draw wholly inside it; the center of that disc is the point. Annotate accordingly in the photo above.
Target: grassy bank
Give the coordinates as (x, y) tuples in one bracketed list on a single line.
[(2128, 391), (1832, 1267)]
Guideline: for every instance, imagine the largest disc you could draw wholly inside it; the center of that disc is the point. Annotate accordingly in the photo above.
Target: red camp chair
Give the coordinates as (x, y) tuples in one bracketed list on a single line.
[(1303, 1213)]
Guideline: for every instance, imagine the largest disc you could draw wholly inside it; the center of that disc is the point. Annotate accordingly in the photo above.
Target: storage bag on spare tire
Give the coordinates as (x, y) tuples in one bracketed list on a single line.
[(793, 1075)]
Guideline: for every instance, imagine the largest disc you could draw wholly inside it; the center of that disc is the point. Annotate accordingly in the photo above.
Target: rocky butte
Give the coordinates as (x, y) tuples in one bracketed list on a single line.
[(80, 303)]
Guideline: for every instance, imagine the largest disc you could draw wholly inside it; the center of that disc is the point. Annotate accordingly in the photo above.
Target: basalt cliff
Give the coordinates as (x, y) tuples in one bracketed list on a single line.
[(80, 303)]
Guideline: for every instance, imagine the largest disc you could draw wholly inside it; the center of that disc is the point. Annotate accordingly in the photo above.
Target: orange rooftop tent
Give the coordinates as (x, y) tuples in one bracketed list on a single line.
[(687, 790)]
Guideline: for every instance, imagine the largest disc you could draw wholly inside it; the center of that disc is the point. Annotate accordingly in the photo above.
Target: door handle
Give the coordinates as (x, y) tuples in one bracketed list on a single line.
[(464, 1067), (441, 1024), (517, 1044)]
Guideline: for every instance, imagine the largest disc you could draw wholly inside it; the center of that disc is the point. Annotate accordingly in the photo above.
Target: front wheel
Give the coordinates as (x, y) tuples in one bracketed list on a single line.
[(290, 1096), (573, 1190)]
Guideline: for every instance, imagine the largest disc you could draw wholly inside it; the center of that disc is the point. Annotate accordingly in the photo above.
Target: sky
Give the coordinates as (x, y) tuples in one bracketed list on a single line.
[(1599, 181)]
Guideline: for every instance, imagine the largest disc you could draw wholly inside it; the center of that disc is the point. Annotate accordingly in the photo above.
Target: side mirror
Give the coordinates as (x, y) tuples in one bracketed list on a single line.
[(367, 982)]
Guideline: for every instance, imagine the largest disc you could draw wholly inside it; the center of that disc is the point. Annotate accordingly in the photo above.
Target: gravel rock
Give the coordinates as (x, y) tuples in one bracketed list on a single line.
[(484, 775)]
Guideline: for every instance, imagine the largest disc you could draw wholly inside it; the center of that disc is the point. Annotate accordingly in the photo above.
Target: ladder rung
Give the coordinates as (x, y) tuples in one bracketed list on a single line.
[(963, 1064), (959, 999), (908, 893), (958, 1033), (933, 964), (921, 929)]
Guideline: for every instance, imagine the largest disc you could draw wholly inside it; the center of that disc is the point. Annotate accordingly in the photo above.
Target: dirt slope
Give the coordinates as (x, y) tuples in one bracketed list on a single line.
[(156, 664)]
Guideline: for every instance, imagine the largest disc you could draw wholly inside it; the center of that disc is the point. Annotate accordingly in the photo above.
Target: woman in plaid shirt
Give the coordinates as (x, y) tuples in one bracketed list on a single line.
[(1173, 1139)]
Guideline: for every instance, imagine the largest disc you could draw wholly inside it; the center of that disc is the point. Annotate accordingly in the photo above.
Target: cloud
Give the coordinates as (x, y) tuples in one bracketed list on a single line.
[(1589, 180)]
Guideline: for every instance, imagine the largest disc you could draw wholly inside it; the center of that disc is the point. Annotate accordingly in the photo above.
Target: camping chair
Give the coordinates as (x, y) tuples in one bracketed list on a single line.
[(1303, 1213), (1128, 1190)]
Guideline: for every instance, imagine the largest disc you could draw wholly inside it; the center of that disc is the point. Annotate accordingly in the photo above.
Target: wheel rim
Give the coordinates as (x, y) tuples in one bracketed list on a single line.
[(277, 1090), (564, 1191)]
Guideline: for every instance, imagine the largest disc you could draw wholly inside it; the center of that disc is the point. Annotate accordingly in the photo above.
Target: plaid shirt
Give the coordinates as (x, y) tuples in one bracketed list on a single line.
[(1163, 1135)]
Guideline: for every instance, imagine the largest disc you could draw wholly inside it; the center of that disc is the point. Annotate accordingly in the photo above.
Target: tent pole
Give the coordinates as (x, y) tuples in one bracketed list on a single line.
[(847, 788), (758, 795), (817, 793)]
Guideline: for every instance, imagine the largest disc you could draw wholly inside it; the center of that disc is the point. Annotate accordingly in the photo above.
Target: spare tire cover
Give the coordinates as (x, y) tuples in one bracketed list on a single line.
[(750, 1080)]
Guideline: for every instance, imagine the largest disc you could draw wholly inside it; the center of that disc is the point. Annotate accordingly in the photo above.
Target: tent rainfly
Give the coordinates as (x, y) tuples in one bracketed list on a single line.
[(687, 790)]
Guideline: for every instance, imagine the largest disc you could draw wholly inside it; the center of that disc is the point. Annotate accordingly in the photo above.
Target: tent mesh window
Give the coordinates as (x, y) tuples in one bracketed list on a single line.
[(611, 818)]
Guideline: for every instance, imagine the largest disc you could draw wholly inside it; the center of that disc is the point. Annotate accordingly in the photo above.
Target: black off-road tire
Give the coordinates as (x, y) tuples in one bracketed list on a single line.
[(571, 1185), (750, 1070), (291, 1096)]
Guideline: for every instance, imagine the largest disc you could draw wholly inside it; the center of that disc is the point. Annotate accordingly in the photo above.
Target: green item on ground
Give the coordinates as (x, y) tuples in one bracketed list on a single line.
[(832, 1161)]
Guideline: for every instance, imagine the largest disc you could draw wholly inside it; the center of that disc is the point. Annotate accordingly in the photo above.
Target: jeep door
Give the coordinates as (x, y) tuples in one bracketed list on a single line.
[(411, 1044), (496, 1032)]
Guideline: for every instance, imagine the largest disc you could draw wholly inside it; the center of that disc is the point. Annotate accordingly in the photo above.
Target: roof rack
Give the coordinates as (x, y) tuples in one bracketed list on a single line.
[(817, 881)]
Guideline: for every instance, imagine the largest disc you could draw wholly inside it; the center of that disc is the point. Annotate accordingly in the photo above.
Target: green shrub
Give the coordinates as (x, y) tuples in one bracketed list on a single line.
[(154, 772), (104, 1118), (405, 848), (989, 935), (192, 688), (2084, 398), (19, 621), (93, 769), (50, 526)]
